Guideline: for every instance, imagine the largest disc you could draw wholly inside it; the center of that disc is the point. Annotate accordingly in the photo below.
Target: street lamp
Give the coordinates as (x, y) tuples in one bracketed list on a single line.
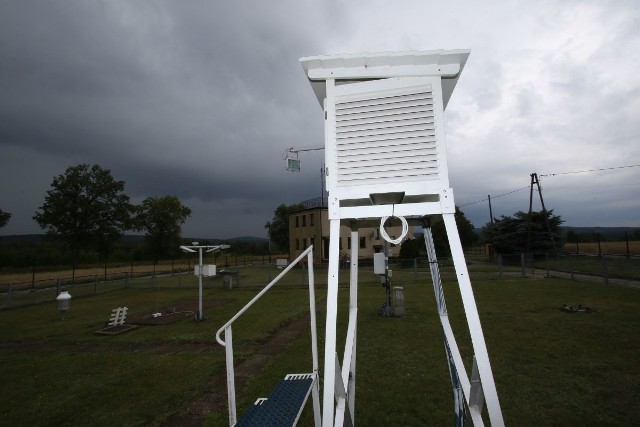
[(196, 247)]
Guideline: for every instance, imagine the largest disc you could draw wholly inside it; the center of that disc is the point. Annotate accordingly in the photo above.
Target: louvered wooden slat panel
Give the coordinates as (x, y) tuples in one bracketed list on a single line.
[(386, 138), (426, 137), (411, 126), (386, 152), (391, 175), (380, 128), (385, 102), (377, 161), (380, 110), (359, 120), (404, 164)]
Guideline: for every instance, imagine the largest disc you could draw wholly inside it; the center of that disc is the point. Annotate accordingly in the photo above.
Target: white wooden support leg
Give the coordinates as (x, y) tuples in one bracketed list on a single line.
[(343, 413), (349, 374), (473, 320), (328, 403)]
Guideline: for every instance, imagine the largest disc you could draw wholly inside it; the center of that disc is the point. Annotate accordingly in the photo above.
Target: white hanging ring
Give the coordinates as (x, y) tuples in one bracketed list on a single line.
[(385, 236)]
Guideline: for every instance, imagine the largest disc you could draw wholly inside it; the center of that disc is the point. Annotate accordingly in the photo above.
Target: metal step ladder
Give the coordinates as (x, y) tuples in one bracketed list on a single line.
[(469, 397), (284, 406)]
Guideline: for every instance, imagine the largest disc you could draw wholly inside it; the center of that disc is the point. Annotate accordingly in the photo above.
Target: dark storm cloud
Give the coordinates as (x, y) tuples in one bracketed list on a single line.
[(194, 99), (199, 99)]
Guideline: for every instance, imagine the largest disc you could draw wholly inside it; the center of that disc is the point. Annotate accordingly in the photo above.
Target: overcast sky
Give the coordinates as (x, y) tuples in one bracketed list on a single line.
[(199, 99)]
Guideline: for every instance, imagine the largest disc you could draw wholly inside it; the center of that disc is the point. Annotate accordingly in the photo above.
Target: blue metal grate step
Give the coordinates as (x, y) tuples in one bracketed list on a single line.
[(283, 406)]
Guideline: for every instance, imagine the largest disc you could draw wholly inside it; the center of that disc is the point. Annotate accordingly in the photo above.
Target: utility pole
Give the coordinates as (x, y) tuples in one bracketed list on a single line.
[(534, 180), (490, 210)]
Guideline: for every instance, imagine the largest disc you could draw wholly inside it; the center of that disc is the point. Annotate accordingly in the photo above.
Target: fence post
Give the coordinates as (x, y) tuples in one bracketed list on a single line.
[(626, 239), (546, 263), (605, 270), (500, 264), (9, 295), (522, 266), (571, 266)]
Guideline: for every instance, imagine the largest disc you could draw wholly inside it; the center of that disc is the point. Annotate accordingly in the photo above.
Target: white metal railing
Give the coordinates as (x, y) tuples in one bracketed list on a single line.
[(228, 338)]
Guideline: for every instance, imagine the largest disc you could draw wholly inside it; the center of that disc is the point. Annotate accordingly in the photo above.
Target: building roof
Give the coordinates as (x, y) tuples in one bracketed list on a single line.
[(447, 64)]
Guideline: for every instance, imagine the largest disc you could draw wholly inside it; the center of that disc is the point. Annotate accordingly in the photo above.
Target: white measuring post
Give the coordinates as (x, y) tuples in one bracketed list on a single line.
[(385, 156), (200, 270)]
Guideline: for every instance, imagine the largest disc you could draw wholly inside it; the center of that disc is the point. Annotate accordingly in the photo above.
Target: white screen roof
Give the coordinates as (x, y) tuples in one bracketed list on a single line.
[(447, 64)]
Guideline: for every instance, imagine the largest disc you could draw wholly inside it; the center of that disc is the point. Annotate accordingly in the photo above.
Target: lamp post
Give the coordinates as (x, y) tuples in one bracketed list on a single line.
[(196, 247)]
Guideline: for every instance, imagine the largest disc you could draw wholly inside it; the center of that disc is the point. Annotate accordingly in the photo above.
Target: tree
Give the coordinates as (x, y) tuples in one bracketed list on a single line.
[(162, 219), (509, 234), (4, 218), (409, 250), (86, 207), (466, 231), (279, 226)]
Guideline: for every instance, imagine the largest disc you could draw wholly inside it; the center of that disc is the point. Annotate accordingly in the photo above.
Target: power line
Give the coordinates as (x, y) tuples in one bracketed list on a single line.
[(590, 170), (551, 175), (495, 197)]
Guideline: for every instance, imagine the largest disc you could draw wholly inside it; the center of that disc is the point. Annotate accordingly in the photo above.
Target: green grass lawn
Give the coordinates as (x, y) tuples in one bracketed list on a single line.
[(550, 367)]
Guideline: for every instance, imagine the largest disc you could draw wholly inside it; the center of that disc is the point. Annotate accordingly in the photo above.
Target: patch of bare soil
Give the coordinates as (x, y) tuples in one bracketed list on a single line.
[(193, 413), (176, 312)]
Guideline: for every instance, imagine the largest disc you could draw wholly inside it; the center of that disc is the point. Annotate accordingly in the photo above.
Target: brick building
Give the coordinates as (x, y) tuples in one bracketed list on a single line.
[(310, 226)]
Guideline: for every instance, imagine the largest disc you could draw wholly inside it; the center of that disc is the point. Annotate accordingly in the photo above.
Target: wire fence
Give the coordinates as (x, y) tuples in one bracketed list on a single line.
[(606, 269)]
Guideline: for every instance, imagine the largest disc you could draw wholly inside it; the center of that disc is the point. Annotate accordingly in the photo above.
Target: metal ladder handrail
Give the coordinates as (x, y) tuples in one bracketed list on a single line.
[(228, 335)]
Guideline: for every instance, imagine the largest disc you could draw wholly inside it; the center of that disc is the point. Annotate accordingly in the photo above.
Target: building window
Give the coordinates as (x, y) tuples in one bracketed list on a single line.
[(311, 220), (340, 242), (297, 221), (297, 244), (304, 243), (363, 242), (312, 241), (348, 242), (304, 220)]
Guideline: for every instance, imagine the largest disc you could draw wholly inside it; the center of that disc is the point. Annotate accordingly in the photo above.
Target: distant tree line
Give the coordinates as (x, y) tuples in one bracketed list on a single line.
[(86, 213), (34, 252), (592, 236)]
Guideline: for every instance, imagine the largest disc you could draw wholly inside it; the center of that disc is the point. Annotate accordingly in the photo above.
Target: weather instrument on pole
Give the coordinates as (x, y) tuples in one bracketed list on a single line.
[(202, 270), (292, 163), (385, 156)]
